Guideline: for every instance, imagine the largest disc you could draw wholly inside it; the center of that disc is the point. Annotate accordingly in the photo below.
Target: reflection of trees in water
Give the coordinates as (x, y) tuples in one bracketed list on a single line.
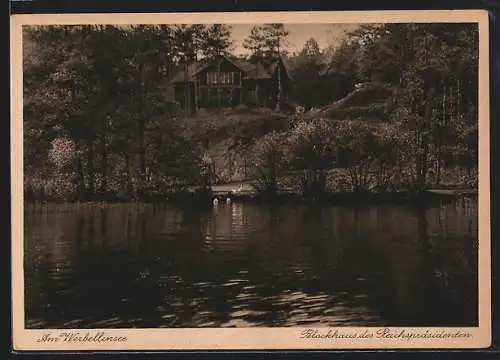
[(275, 266), (59, 240), (289, 256), (226, 228), (449, 267), (101, 280), (431, 294), (342, 256), (427, 292), (414, 283), (391, 261), (80, 227), (104, 228)]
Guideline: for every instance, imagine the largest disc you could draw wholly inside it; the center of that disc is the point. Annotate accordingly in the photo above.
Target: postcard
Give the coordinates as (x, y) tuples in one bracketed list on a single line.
[(251, 181)]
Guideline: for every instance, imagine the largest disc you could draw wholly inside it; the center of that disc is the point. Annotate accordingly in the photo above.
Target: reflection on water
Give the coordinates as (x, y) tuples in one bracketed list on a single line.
[(247, 265)]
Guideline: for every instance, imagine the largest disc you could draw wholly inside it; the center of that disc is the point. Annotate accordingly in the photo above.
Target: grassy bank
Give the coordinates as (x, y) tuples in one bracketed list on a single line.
[(228, 139), (206, 199), (227, 136)]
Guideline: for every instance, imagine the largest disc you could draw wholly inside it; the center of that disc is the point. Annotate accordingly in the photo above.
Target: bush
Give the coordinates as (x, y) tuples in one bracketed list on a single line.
[(268, 163), (63, 152), (312, 149)]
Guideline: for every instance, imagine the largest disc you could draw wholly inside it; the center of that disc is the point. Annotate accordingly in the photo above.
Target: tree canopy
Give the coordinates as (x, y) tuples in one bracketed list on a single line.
[(266, 42), (96, 112)]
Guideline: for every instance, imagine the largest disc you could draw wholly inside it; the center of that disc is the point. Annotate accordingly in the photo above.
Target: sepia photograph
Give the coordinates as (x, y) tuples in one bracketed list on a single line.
[(268, 174)]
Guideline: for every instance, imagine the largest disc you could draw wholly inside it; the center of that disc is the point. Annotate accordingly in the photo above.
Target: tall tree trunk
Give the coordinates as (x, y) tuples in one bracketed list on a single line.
[(80, 177), (425, 113), (218, 83), (424, 145), (187, 105), (141, 126), (128, 179), (104, 156), (439, 139), (90, 166), (438, 164), (279, 94), (104, 88), (142, 151)]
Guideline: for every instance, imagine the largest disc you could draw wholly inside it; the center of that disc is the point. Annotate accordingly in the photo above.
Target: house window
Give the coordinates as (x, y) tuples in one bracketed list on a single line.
[(252, 95), (211, 94), (211, 78), (225, 78)]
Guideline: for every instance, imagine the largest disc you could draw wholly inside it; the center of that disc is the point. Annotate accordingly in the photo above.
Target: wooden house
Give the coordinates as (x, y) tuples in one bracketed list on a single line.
[(226, 81)]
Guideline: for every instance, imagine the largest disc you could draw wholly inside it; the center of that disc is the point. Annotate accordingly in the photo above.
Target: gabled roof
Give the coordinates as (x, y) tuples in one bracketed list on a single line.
[(180, 74), (250, 70), (255, 71), (325, 70), (286, 64)]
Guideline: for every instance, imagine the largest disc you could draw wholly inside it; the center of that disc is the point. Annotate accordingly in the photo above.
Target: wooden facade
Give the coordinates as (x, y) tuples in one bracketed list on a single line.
[(224, 82)]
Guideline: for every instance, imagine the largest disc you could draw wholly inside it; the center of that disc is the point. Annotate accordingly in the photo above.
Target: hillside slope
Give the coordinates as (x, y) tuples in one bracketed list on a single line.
[(228, 134), (367, 102)]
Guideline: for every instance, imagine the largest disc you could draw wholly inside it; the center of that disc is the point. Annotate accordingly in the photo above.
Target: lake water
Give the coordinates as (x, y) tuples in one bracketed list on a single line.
[(139, 265)]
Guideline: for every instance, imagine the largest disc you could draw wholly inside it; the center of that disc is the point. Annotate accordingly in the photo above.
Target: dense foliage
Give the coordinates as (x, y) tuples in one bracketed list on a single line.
[(97, 122), (265, 42), (409, 116), (102, 90)]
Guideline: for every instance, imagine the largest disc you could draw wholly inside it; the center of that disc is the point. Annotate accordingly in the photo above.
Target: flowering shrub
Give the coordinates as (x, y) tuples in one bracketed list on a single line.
[(63, 152), (312, 148), (62, 186), (207, 171), (268, 162)]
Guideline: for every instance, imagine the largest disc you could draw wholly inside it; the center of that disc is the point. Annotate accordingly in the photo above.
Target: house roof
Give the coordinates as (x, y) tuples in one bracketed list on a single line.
[(181, 74), (251, 70), (255, 71), (287, 64)]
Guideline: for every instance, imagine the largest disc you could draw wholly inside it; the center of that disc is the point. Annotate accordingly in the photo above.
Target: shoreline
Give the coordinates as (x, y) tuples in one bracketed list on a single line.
[(341, 198)]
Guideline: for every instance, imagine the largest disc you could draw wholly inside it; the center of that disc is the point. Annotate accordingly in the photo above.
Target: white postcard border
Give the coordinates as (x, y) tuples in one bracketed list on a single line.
[(250, 338)]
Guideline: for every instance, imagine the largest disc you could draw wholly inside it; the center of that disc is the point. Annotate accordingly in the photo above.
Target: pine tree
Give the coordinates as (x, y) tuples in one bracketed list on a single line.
[(307, 89), (311, 49), (266, 42), (216, 42), (255, 43), (188, 41), (99, 87)]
